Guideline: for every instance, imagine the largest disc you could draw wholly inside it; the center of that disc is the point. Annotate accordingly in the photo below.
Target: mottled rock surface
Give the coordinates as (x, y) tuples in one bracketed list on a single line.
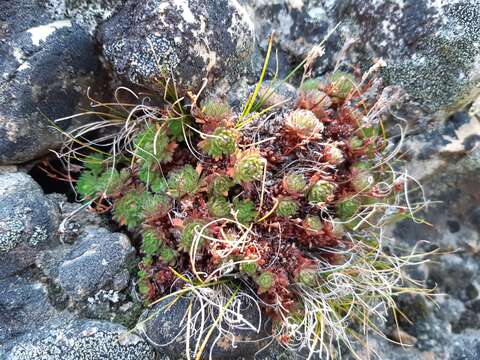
[(162, 326), (28, 221), (45, 68), (86, 13), (446, 159), (82, 339), (96, 261), (431, 47), (188, 39), (24, 307)]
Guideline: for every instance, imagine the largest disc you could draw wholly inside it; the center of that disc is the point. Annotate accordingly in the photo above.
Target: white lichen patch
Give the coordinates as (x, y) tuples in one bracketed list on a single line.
[(11, 131), (24, 66), (14, 230), (420, 169), (18, 55), (11, 231), (42, 32), (187, 13), (295, 4), (472, 128), (209, 57), (104, 296)]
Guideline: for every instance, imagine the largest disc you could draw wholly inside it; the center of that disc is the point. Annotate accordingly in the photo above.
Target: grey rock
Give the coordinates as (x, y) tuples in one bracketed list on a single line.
[(93, 262), (277, 93), (466, 346), (86, 13), (446, 159), (189, 40), (298, 26), (24, 307), (28, 221), (15, 21), (75, 218), (82, 339), (431, 47), (45, 69), (161, 326)]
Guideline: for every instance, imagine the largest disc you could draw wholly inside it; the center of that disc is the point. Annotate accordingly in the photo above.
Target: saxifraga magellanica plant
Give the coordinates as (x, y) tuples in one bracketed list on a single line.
[(284, 207)]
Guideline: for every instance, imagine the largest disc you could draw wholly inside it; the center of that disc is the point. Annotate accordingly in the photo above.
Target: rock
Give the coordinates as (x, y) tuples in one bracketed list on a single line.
[(298, 26), (446, 160), (279, 94), (24, 307), (82, 339), (190, 40), (97, 261), (75, 218), (162, 325), (28, 221), (418, 39), (45, 69), (86, 13), (466, 346)]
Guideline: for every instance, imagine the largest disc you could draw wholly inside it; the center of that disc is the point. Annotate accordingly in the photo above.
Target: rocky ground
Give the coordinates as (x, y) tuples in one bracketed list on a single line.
[(66, 284)]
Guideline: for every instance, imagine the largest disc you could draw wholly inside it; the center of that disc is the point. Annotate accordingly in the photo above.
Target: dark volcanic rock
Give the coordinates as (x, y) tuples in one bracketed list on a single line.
[(189, 40), (45, 69), (28, 221), (86, 13), (24, 307), (163, 325), (431, 47), (98, 260)]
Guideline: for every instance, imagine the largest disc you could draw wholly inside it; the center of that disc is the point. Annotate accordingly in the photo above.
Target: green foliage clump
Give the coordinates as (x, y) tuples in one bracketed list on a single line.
[(168, 255), (151, 145), (156, 205), (87, 184), (362, 180), (189, 232), (286, 207), (342, 84), (334, 155), (241, 201), (220, 185), (183, 181), (245, 210), (151, 242), (221, 142), (176, 128), (321, 192), (113, 181), (355, 143), (219, 207), (310, 84), (307, 277), (313, 223), (128, 210), (249, 268), (143, 285), (248, 167), (216, 109), (265, 281), (94, 163), (152, 177), (294, 183), (346, 208)]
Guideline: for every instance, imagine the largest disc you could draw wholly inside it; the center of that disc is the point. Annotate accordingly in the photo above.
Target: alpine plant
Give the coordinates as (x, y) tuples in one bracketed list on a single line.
[(288, 208)]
